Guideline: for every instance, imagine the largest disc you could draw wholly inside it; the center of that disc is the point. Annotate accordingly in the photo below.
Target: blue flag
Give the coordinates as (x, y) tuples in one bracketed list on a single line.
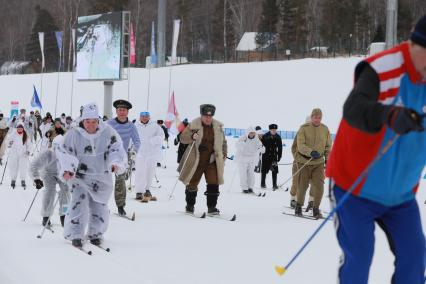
[(35, 101), (59, 41), (153, 54)]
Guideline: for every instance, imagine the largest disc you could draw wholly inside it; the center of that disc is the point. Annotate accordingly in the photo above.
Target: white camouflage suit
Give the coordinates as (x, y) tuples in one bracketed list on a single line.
[(18, 154), (247, 156), (151, 136), (45, 167), (90, 157)]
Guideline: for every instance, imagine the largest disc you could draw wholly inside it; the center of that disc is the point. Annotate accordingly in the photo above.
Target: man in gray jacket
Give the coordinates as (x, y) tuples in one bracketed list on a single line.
[(44, 171)]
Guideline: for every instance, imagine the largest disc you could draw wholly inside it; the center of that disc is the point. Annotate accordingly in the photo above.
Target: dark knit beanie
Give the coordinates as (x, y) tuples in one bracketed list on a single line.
[(418, 36)]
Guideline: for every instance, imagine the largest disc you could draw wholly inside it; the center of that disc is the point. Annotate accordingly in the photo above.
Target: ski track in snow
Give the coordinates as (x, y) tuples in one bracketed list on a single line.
[(162, 246)]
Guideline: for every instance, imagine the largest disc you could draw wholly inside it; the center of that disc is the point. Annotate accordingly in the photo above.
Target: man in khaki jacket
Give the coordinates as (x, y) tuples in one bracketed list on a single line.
[(295, 175), (205, 154), (313, 147)]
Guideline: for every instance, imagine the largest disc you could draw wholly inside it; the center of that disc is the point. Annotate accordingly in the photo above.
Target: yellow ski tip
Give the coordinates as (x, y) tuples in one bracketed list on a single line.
[(280, 270)]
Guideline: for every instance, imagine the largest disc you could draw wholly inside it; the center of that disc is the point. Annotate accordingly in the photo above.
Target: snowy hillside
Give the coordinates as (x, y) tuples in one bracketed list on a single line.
[(163, 246), (245, 93)]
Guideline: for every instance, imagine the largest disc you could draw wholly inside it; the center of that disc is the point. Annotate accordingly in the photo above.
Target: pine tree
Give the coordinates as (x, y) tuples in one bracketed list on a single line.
[(379, 35), (44, 23), (288, 11), (268, 22), (218, 32), (293, 22), (405, 21), (184, 10), (361, 21), (105, 6)]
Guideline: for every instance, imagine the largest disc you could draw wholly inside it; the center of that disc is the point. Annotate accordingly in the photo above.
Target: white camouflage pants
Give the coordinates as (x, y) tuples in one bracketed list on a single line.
[(3, 148), (246, 170), (18, 163), (145, 171), (82, 212), (49, 195)]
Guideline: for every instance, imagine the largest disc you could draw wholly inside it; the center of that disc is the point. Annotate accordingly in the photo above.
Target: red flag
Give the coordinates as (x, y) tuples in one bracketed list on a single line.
[(132, 46), (171, 112)]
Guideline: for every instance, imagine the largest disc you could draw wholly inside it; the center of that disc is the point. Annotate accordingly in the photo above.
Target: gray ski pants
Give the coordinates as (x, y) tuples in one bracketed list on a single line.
[(49, 195)]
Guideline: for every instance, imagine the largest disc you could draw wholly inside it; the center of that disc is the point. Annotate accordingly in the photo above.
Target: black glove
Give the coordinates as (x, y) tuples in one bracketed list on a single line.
[(403, 120), (38, 183), (315, 155)]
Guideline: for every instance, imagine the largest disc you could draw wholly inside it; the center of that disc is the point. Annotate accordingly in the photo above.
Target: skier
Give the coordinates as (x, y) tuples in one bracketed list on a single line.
[(56, 130), (44, 129), (248, 148), (162, 159), (33, 125), (294, 170), (38, 120), (206, 155), (152, 137), (388, 99), (127, 132), (20, 149), (273, 151), (88, 157), (3, 132), (182, 147), (44, 172), (258, 166), (63, 119), (69, 123), (313, 147)]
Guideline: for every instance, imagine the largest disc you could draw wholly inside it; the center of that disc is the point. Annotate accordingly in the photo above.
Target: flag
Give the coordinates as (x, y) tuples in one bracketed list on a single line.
[(171, 112), (73, 49), (153, 54), (41, 41), (176, 28), (132, 46), (58, 35), (35, 101)]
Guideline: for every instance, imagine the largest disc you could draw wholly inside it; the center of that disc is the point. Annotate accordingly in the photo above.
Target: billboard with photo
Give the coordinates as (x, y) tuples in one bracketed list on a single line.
[(98, 46)]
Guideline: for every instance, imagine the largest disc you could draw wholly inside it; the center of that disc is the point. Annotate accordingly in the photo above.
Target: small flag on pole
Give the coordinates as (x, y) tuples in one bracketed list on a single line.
[(35, 101), (41, 41), (132, 46), (153, 55), (171, 112)]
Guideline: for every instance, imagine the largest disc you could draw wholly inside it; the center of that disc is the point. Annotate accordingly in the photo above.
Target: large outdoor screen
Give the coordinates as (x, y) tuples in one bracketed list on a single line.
[(98, 46)]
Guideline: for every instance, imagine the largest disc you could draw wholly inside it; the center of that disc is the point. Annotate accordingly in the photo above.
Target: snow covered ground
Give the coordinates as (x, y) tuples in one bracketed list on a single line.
[(162, 246)]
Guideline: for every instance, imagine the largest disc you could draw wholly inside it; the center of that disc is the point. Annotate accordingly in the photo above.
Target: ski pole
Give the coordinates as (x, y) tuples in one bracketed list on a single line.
[(183, 166), (4, 170), (282, 269), (31, 205), (48, 220), (295, 174)]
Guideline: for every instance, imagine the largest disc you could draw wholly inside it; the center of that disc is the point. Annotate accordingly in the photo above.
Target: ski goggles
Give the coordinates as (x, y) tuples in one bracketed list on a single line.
[(144, 113)]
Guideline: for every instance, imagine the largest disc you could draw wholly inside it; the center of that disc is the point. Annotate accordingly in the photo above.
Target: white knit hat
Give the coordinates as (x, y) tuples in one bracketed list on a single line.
[(90, 111)]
